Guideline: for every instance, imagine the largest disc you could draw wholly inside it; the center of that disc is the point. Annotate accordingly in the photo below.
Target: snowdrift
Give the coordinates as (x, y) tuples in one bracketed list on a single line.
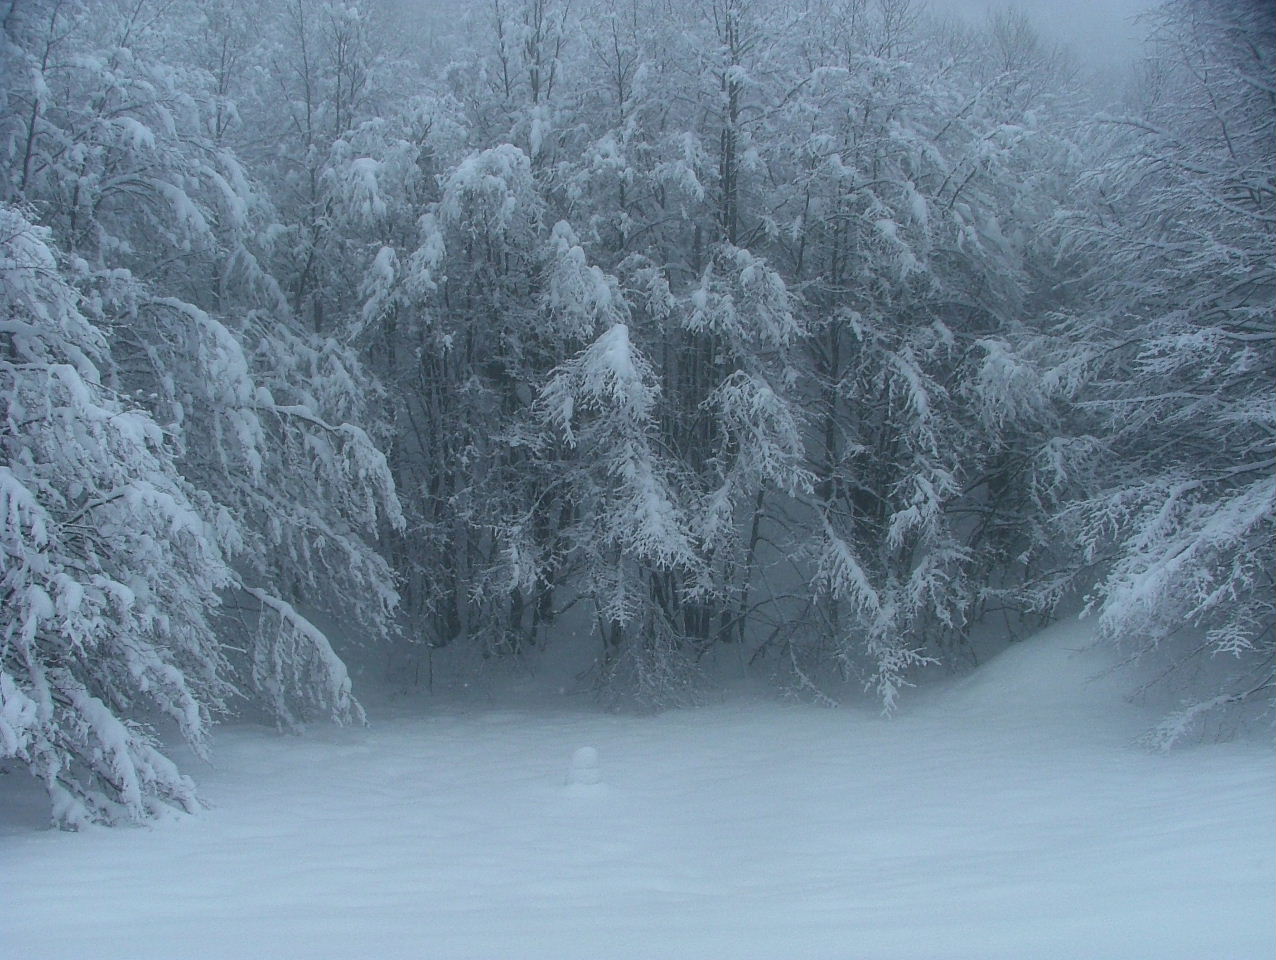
[(1005, 815)]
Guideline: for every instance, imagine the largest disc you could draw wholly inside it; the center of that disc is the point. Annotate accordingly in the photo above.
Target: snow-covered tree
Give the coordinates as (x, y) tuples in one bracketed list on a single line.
[(1179, 506), (631, 529), (750, 324), (110, 562), (123, 155)]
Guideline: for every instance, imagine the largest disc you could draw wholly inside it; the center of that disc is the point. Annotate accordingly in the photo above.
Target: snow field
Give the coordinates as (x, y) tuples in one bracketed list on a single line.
[(1008, 815)]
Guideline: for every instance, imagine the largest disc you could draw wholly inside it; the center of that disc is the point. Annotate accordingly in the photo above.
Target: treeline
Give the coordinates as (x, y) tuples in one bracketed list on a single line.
[(823, 330)]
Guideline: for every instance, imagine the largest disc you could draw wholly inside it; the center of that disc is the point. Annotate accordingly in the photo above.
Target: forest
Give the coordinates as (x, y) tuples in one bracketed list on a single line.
[(836, 339)]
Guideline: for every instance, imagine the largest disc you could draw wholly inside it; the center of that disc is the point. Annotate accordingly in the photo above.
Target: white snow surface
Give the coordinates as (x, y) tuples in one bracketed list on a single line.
[(1007, 815)]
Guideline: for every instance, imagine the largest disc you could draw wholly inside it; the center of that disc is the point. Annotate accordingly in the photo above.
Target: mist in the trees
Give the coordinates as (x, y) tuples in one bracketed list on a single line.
[(841, 341)]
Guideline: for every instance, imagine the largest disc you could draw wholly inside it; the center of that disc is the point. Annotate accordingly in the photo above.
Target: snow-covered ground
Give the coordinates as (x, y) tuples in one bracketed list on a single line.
[(1007, 815)]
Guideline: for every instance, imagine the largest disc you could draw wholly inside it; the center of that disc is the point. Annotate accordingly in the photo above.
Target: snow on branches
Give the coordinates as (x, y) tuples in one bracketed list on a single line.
[(109, 573)]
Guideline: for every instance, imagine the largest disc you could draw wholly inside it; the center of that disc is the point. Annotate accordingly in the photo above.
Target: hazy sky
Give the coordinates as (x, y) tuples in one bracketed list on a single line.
[(1099, 31)]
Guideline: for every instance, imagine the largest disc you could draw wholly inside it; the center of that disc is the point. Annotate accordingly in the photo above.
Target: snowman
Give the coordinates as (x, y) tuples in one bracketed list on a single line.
[(583, 778)]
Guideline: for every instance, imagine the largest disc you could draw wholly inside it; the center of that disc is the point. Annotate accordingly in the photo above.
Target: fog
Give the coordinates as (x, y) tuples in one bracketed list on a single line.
[(575, 361), (1100, 30), (1103, 33)]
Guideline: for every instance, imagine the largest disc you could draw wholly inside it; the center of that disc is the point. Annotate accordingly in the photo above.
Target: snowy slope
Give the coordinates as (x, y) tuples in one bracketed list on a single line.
[(1007, 815)]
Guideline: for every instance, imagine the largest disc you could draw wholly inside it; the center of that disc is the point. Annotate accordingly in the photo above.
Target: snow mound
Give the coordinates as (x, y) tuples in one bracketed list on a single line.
[(584, 768), (1059, 674), (583, 778)]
